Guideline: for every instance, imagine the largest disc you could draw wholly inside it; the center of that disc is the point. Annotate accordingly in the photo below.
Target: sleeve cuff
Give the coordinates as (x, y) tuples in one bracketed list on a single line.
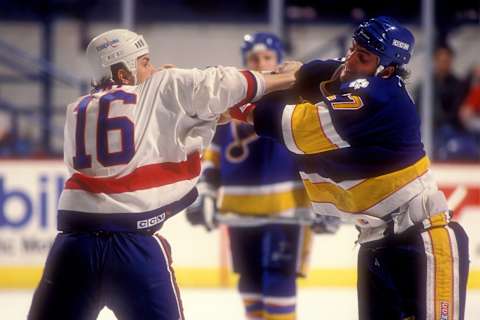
[(260, 85)]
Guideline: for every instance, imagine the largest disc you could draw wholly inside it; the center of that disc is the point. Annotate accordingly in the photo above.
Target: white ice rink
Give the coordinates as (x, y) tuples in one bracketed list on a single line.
[(213, 304)]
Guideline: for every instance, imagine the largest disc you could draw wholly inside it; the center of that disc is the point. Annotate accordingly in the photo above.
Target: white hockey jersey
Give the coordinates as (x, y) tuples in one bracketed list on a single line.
[(133, 152)]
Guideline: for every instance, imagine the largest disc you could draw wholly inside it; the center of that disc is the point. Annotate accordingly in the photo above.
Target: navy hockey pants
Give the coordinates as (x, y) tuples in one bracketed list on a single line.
[(130, 273), (269, 259), (417, 275)]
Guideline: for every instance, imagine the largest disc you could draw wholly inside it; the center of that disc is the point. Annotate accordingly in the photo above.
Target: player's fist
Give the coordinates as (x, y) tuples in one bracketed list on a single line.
[(224, 118), (289, 67), (167, 66)]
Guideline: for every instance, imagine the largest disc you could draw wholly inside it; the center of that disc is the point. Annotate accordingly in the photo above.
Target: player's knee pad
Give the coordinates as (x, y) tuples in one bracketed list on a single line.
[(249, 283), (279, 284), (280, 248)]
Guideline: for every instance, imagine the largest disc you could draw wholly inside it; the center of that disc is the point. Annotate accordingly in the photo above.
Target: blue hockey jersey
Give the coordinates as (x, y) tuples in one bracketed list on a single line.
[(257, 176), (358, 149)]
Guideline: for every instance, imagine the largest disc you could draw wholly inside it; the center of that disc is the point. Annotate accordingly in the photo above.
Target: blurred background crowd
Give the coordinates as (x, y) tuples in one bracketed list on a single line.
[(42, 66), (456, 108)]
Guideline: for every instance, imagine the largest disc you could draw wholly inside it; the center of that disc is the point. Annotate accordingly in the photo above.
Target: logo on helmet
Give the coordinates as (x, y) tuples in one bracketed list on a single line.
[(400, 44), (108, 43)]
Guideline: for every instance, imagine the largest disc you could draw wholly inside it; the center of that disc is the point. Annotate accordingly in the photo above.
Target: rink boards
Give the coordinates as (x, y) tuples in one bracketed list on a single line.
[(29, 191)]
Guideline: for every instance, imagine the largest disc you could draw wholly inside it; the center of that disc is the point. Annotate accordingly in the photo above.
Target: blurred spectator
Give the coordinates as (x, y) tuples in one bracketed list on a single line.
[(16, 134), (448, 90), (470, 109), (5, 132), (451, 141)]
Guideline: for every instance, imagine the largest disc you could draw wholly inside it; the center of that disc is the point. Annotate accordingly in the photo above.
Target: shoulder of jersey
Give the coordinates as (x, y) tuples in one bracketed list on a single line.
[(373, 88), (311, 75)]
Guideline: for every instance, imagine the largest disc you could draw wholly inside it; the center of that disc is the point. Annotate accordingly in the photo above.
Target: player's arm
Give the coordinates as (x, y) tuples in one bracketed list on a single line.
[(304, 128), (308, 128), (255, 85), (210, 92)]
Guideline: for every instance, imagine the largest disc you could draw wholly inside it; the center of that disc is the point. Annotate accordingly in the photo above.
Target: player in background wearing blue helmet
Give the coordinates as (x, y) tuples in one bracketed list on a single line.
[(360, 155), (262, 201)]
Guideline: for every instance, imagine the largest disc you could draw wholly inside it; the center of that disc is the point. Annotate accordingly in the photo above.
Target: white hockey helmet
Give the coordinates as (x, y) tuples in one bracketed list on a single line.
[(112, 47)]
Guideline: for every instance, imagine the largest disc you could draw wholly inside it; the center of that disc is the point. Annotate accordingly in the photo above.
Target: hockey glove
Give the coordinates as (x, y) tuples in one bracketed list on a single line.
[(325, 224), (203, 212)]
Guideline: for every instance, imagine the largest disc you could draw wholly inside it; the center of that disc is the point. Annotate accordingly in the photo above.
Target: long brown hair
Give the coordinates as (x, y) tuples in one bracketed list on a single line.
[(106, 83)]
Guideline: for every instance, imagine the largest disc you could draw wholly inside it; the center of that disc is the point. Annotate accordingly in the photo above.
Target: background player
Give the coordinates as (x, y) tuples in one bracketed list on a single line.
[(262, 200), (132, 148), (361, 158)]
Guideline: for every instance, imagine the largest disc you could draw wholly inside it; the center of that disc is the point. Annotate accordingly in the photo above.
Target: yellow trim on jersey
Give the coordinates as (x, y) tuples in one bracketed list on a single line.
[(439, 220), (212, 156), (355, 102), (369, 192), (263, 204), (443, 269), (307, 130)]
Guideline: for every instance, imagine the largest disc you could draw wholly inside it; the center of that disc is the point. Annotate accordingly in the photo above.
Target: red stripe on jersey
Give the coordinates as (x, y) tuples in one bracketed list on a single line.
[(251, 88), (146, 177)]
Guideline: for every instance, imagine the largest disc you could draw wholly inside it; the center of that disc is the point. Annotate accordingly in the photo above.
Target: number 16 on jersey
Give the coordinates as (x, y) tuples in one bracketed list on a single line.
[(105, 124)]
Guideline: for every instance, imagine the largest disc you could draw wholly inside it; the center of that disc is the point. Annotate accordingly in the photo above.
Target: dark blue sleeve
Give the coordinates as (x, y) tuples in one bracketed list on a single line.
[(311, 74), (268, 114)]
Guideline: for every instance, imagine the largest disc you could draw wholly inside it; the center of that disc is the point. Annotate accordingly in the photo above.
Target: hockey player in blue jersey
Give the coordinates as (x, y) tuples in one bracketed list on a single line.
[(360, 155), (262, 201)]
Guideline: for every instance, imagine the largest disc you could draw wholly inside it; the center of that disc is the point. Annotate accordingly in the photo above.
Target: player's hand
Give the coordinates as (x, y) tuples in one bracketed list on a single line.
[(224, 118), (283, 77), (288, 67), (325, 224), (203, 212), (167, 66)]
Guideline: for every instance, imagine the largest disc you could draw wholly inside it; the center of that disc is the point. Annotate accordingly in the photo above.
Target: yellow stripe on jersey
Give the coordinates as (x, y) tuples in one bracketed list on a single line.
[(443, 269), (350, 102), (308, 133), (264, 204), (212, 156), (439, 220), (369, 192)]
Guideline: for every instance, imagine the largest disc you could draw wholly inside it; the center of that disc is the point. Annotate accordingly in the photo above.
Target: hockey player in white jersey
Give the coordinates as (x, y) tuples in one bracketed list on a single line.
[(132, 148)]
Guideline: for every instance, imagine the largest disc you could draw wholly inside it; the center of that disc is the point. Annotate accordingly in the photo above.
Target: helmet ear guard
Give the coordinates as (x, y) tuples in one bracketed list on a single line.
[(387, 39), (112, 47)]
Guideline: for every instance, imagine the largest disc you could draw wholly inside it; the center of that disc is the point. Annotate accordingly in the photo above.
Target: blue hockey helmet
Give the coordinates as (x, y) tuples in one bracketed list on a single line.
[(262, 41), (387, 38)]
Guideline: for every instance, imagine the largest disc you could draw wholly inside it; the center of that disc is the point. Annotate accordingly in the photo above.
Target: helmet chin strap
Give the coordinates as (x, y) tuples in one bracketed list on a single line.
[(135, 82), (133, 71), (380, 68)]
